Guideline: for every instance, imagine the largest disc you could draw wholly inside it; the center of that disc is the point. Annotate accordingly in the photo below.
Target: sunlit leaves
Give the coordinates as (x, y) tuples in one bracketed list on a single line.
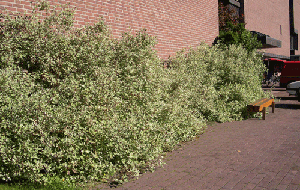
[(219, 83), (77, 105), (81, 106)]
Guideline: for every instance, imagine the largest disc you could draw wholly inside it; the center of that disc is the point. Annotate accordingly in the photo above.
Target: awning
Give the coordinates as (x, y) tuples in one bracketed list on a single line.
[(272, 55), (267, 41), (295, 57)]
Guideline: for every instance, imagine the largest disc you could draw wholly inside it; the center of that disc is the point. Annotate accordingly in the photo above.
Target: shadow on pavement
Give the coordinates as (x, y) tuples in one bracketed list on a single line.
[(277, 89), (288, 98), (287, 106)]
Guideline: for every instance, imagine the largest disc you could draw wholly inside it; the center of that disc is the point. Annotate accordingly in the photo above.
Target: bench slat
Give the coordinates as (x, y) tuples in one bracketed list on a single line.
[(266, 103), (261, 105), (258, 102)]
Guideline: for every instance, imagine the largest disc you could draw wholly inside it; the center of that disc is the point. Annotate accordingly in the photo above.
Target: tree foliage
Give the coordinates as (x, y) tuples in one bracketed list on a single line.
[(228, 15), (238, 35), (232, 30)]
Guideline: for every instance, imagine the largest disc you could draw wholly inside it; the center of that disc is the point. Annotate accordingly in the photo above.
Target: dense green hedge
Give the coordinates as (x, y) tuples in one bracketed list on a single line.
[(238, 35), (219, 82), (79, 105)]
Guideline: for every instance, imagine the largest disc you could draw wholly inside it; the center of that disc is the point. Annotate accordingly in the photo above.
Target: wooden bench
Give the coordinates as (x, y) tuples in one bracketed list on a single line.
[(261, 105)]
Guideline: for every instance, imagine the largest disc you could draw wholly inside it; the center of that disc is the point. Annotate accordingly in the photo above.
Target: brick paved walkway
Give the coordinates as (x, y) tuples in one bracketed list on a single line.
[(250, 154)]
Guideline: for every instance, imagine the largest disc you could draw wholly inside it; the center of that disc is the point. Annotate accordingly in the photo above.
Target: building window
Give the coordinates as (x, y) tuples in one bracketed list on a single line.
[(294, 40), (230, 11), (280, 30)]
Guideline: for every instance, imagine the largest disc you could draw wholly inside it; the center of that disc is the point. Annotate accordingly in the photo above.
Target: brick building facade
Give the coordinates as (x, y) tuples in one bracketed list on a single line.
[(275, 21), (179, 24), (270, 17), (176, 24)]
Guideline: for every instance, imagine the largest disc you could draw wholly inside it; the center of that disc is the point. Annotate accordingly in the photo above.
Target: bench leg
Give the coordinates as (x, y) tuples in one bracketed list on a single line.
[(273, 107), (264, 113)]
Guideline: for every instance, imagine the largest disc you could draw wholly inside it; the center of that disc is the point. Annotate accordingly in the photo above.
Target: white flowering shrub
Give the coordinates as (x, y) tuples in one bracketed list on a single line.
[(78, 105), (219, 82)]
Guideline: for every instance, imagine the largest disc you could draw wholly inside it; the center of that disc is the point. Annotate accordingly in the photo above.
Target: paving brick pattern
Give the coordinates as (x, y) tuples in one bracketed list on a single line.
[(250, 154)]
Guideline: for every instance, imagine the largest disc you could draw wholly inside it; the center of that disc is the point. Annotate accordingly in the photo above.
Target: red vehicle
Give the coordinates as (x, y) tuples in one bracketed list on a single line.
[(290, 73)]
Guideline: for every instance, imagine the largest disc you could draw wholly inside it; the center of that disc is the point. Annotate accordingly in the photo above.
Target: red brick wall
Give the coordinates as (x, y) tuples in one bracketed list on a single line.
[(266, 16), (177, 24)]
